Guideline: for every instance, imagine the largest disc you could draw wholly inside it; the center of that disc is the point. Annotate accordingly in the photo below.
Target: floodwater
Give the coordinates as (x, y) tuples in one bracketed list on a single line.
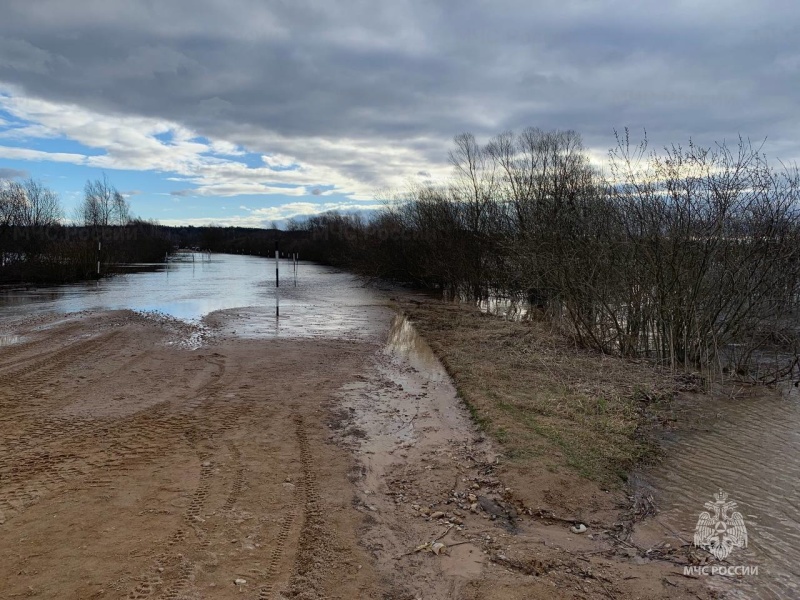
[(749, 447), (232, 291)]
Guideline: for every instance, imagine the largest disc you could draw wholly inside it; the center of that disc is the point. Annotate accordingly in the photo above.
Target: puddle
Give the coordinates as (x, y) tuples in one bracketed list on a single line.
[(404, 422), (405, 343)]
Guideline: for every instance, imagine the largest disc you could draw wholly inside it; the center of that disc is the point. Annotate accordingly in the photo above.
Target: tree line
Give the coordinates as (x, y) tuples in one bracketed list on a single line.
[(689, 257), (35, 245)]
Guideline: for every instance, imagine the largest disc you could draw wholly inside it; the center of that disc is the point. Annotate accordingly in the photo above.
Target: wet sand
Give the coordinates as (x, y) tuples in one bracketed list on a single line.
[(131, 467)]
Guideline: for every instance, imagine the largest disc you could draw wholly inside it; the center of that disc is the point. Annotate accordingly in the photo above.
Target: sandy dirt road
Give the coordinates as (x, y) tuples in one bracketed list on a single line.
[(132, 466)]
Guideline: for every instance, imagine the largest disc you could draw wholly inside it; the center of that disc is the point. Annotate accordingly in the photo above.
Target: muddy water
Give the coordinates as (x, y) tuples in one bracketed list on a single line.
[(404, 422), (235, 291), (749, 447)]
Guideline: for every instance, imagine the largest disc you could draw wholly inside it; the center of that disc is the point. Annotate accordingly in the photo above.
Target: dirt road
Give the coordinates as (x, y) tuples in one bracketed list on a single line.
[(134, 464)]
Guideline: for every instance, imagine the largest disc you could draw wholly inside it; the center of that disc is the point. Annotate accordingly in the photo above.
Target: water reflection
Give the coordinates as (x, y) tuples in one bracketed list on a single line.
[(404, 341), (8, 340), (325, 301)]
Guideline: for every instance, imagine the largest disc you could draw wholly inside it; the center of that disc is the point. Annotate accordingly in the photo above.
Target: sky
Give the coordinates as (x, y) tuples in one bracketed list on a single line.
[(246, 112)]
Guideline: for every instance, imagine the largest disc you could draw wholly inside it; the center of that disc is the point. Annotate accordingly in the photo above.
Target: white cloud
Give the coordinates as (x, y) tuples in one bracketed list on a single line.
[(13, 153), (262, 217), (299, 167)]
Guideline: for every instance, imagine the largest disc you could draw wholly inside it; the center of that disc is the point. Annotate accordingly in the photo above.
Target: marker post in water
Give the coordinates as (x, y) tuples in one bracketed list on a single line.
[(98, 258), (277, 284)]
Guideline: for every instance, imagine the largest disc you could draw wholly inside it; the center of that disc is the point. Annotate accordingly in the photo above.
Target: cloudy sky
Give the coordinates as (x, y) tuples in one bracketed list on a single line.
[(245, 111)]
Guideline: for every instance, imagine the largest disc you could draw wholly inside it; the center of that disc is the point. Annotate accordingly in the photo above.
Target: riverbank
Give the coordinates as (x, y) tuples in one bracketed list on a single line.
[(635, 453), (571, 426), (548, 402)]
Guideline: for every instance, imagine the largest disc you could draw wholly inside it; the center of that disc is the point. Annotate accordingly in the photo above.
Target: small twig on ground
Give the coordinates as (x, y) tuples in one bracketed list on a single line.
[(444, 534)]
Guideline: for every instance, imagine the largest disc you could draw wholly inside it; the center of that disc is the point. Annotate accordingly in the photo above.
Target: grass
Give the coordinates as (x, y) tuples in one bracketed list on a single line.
[(542, 397)]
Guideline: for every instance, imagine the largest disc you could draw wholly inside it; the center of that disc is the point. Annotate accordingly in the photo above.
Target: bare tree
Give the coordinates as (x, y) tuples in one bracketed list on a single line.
[(689, 257), (12, 199), (28, 204), (103, 205), (41, 207)]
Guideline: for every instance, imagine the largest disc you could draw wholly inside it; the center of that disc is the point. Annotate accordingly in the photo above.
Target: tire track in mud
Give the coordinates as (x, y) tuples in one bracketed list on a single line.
[(22, 404), (174, 580), (220, 420), (57, 359), (160, 570), (238, 478), (182, 574), (42, 430), (265, 592), (96, 451), (26, 478), (309, 551), (9, 352)]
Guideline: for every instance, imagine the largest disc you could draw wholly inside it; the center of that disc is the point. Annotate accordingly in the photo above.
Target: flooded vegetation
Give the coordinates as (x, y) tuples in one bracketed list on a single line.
[(688, 258), (36, 246)]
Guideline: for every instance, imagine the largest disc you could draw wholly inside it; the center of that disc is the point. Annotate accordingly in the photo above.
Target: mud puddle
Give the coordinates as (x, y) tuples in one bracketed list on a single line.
[(415, 446)]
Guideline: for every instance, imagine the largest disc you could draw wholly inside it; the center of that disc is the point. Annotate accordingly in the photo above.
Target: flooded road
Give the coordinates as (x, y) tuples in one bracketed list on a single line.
[(748, 446), (202, 288)]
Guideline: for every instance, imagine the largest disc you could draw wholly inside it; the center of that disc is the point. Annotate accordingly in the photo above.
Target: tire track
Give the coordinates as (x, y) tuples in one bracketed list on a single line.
[(159, 571), (15, 350), (265, 591), (203, 420), (238, 479), (307, 494), (141, 436), (57, 359), (41, 430)]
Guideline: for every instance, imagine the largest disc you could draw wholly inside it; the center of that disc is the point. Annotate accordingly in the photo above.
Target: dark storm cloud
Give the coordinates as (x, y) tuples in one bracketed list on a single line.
[(413, 74)]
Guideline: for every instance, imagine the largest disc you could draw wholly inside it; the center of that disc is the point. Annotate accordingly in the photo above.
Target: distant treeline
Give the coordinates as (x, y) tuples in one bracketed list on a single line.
[(689, 257), (244, 240), (35, 247)]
